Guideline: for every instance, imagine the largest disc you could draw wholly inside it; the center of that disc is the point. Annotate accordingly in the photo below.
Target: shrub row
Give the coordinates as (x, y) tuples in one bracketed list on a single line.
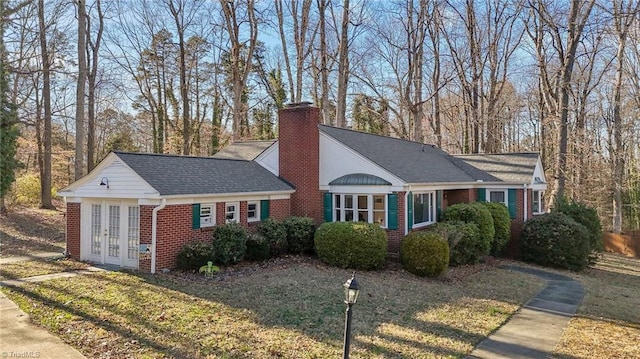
[(232, 244)]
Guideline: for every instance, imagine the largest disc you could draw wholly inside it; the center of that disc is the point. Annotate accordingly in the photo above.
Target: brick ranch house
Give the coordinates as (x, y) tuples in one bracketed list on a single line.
[(137, 210)]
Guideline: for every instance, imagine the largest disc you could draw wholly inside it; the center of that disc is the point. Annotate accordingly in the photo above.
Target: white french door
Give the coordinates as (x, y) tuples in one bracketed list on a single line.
[(113, 233)]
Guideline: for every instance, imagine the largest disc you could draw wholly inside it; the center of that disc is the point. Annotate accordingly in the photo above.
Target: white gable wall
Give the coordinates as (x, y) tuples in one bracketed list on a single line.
[(123, 183), (269, 159), (337, 160), (538, 172)]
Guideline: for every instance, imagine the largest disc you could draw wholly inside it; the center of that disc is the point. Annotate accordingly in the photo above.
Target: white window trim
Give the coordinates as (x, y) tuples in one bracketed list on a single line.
[(257, 217), (236, 213), (504, 190), (370, 206), (540, 203), (433, 212), (212, 215)]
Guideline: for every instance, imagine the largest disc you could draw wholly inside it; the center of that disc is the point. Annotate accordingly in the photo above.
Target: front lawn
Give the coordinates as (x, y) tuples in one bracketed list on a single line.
[(292, 310), (38, 266)]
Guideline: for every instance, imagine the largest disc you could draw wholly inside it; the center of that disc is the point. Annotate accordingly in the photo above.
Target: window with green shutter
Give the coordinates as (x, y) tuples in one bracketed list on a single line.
[(328, 206), (511, 198), (264, 209), (392, 213), (195, 216)]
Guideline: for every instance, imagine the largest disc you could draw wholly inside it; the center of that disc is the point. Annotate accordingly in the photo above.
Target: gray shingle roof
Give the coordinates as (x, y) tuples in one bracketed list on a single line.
[(183, 175), (247, 150), (508, 167), (413, 162)]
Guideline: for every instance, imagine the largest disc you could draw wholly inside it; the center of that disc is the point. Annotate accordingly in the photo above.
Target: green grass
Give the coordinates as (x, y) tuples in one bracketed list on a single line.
[(294, 311)]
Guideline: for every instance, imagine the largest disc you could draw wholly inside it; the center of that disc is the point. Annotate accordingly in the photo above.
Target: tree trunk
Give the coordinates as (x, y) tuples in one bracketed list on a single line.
[(343, 68), (45, 180), (327, 118), (92, 54), (80, 90)]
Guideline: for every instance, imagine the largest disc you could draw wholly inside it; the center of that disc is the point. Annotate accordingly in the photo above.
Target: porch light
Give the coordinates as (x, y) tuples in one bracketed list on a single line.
[(351, 290), (104, 182)]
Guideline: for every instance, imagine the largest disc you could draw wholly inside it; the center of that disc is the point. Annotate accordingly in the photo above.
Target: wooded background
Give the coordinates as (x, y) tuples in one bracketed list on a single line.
[(81, 78)]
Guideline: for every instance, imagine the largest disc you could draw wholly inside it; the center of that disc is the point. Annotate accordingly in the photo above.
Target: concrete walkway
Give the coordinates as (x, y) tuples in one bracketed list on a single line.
[(534, 331), (19, 338)]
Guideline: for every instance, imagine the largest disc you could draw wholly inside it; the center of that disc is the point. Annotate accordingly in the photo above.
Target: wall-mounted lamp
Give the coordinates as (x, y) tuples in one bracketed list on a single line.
[(104, 182)]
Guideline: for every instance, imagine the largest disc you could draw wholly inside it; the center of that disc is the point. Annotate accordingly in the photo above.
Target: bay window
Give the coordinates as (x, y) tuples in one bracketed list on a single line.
[(360, 208)]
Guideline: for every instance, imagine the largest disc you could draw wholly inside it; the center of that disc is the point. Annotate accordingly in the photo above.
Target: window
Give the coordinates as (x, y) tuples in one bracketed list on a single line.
[(498, 196), (537, 202), (253, 211), (360, 208), (232, 212), (207, 215), (424, 208)]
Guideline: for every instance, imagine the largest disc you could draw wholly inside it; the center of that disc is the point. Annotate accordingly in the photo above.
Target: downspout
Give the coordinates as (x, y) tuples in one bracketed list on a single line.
[(154, 233), (525, 202)]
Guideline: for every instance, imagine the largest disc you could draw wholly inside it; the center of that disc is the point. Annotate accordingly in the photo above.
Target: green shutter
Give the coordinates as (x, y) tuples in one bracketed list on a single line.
[(512, 202), (410, 210), (482, 195), (438, 204), (392, 214), (328, 207), (264, 209), (195, 216)]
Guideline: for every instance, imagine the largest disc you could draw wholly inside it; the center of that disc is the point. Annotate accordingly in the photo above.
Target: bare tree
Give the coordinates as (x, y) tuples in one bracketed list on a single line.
[(624, 16), (45, 159), (80, 89), (558, 89), (343, 67), (92, 48)]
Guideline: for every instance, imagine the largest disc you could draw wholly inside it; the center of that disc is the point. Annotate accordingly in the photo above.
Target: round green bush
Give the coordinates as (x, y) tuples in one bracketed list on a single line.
[(275, 232), (555, 240), (257, 248), (229, 243), (300, 231), (465, 243), (425, 254), (501, 224), (587, 217), (474, 213), (194, 255), (351, 245)]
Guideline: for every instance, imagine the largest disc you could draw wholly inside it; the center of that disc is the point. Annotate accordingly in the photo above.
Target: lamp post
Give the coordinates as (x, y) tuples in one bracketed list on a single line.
[(351, 290)]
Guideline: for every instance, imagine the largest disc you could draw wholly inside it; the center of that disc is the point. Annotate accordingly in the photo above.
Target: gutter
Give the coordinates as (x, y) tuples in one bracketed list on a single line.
[(154, 233)]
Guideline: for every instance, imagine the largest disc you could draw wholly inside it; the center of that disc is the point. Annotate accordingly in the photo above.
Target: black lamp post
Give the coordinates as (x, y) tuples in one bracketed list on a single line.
[(351, 290)]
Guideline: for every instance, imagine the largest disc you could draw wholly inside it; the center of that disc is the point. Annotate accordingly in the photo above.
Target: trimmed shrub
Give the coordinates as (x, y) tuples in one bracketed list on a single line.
[(229, 243), (275, 233), (425, 254), (193, 255), (351, 245), (257, 248), (300, 232), (501, 225), (587, 217), (555, 240), (465, 243), (474, 213)]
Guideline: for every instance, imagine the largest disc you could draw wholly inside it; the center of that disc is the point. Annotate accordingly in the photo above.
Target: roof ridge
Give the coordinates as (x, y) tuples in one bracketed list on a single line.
[(176, 156), (377, 135), (497, 153)]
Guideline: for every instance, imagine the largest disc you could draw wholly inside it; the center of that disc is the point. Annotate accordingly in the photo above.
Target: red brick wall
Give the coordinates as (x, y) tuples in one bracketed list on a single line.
[(73, 230), (280, 209), (459, 196), (299, 158), (146, 215)]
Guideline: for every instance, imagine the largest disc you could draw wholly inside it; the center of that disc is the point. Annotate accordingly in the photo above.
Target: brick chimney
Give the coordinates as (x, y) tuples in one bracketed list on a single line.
[(299, 157)]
